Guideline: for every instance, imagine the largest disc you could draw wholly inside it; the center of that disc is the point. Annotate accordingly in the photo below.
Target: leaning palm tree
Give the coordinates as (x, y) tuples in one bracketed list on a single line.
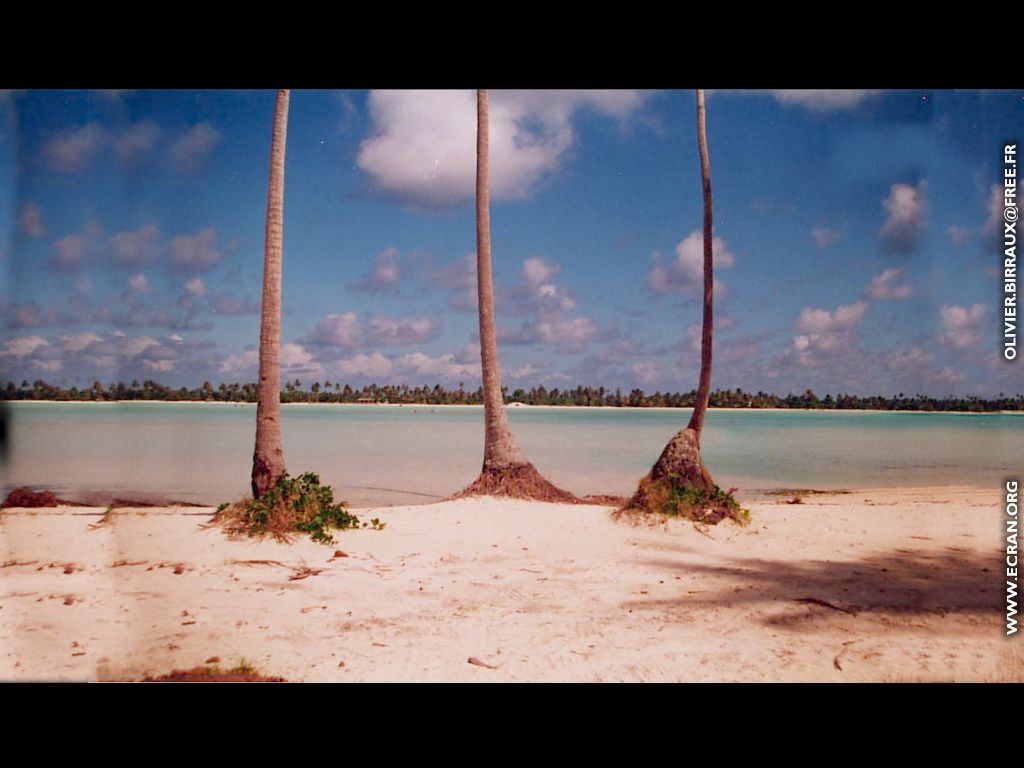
[(506, 472), (678, 482), (268, 457)]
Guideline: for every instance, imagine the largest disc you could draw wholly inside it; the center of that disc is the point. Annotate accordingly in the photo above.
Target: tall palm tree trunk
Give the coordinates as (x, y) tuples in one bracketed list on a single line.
[(500, 449), (268, 456), (680, 468), (704, 387), (505, 472)]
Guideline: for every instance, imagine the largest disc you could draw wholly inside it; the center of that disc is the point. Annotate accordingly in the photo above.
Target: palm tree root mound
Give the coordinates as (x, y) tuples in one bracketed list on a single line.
[(26, 497), (680, 486), (240, 674), (521, 481)]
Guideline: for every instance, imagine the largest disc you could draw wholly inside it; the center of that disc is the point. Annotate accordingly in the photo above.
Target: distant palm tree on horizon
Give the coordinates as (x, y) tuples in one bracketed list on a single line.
[(268, 456), (505, 471)]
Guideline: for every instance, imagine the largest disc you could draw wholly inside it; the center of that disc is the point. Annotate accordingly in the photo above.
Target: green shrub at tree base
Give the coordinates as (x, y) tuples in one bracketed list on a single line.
[(667, 496), (293, 505)]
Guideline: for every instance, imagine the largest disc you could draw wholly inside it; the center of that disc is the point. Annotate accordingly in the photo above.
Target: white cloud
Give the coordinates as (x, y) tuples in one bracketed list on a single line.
[(404, 368), (195, 252), (539, 292), (374, 365), (823, 100), (30, 220), (20, 347), (232, 306), (993, 226), (536, 271), (138, 283), (959, 234), (694, 335), (160, 357), (647, 372), (390, 331), (8, 105), (70, 252), (962, 325), (295, 360), (194, 145), (83, 285), (26, 314), (334, 330), (912, 369), (129, 346), (459, 278), (243, 363), (114, 94), (134, 248), (445, 367), (823, 321), (74, 150), (385, 275), (823, 237), (912, 361), (82, 353), (347, 331), (516, 374), (815, 349), (76, 342), (50, 366), (885, 285), (469, 353), (546, 307), (685, 273), (570, 333), (906, 205), (195, 287), (824, 336), (423, 143), (137, 141), (949, 375)]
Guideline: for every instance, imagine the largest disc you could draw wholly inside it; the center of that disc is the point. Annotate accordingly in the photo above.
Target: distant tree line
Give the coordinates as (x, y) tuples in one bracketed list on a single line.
[(335, 392)]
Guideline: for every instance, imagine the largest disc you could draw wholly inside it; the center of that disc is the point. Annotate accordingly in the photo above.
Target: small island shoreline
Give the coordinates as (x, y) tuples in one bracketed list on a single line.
[(513, 406)]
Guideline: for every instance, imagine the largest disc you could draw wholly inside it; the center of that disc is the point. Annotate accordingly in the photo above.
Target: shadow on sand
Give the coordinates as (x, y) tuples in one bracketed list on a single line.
[(895, 586)]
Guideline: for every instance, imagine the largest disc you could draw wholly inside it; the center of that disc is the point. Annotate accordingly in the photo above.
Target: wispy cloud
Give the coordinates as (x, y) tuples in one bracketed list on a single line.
[(190, 150), (30, 220), (74, 150), (384, 276), (136, 142), (823, 237), (195, 253), (887, 285)]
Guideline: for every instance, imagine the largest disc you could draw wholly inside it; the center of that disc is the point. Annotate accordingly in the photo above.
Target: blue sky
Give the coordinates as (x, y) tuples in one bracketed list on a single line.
[(856, 247)]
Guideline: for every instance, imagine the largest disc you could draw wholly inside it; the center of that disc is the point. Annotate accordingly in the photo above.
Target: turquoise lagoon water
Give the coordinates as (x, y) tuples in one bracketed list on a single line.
[(381, 455)]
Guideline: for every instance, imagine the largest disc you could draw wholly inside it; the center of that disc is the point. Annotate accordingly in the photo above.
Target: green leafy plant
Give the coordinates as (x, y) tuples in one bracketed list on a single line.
[(668, 496), (299, 504)]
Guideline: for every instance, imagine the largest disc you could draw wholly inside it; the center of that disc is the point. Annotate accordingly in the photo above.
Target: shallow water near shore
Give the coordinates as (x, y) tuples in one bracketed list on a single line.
[(384, 455)]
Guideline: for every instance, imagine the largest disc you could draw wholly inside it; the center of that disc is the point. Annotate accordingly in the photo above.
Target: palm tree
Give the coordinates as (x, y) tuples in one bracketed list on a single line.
[(505, 472), (268, 457), (679, 468)]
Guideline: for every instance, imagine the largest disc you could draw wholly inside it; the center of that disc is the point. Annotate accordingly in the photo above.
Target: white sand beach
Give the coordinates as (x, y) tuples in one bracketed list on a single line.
[(885, 585)]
